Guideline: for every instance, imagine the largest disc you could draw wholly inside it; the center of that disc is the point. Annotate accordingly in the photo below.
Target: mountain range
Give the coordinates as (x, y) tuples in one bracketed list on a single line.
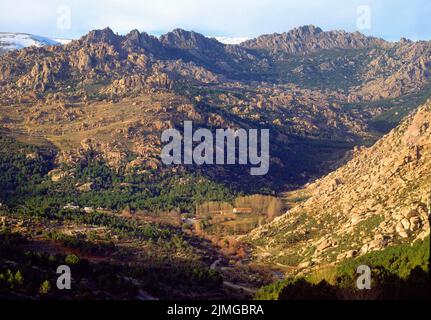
[(15, 41), (320, 92), (349, 121)]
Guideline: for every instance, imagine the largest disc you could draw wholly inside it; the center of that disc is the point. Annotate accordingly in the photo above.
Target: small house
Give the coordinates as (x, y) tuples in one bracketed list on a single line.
[(242, 210), (71, 207), (88, 210)]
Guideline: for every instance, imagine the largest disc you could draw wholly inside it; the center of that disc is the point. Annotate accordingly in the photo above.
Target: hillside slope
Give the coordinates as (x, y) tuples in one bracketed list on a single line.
[(382, 197)]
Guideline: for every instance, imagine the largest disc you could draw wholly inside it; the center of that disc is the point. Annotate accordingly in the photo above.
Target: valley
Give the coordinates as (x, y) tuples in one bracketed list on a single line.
[(82, 181)]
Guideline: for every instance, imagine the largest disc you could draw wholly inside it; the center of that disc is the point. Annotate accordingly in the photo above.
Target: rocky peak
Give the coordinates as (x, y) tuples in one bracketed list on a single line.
[(135, 40), (183, 39), (105, 35), (309, 39), (405, 41), (306, 31), (134, 36)]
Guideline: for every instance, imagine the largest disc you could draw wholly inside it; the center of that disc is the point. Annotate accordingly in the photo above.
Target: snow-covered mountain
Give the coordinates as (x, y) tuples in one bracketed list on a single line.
[(231, 40), (14, 41)]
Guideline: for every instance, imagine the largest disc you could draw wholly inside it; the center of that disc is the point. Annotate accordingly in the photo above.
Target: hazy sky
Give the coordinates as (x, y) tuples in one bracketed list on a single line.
[(390, 19)]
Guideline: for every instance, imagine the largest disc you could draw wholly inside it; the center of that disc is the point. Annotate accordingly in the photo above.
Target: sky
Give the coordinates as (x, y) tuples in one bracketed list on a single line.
[(70, 19)]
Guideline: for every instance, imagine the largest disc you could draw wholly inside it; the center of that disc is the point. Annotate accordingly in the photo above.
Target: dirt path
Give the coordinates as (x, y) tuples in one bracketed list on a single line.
[(230, 285), (215, 264), (239, 287)]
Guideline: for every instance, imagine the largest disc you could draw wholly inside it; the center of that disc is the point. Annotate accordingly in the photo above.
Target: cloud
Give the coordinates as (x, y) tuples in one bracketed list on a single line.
[(235, 18)]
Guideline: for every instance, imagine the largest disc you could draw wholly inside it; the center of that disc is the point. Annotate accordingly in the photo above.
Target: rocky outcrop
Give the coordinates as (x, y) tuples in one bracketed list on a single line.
[(102, 87), (135, 84), (189, 40), (389, 77), (380, 198), (308, 39), (102, 56)]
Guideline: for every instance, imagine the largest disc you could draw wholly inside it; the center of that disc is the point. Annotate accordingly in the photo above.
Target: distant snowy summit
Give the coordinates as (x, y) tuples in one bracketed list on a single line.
[(231, 40), (14, 41)]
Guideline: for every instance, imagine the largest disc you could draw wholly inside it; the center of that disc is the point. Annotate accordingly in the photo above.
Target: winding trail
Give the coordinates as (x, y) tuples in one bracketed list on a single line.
[(230, 285)]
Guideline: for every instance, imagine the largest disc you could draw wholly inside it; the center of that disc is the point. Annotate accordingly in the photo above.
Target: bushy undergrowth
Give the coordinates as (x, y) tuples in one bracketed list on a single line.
[(399, 272)]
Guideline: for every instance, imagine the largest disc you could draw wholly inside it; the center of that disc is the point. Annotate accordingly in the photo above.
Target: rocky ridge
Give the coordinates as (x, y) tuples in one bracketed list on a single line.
[(105, 81), (308, 39)]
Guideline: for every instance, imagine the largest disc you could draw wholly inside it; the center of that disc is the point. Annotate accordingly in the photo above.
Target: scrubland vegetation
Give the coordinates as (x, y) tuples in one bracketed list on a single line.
[(399, 272)]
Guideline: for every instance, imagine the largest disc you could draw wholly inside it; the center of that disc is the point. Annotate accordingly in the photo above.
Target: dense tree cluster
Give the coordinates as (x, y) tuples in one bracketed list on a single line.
[(25, 274)]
